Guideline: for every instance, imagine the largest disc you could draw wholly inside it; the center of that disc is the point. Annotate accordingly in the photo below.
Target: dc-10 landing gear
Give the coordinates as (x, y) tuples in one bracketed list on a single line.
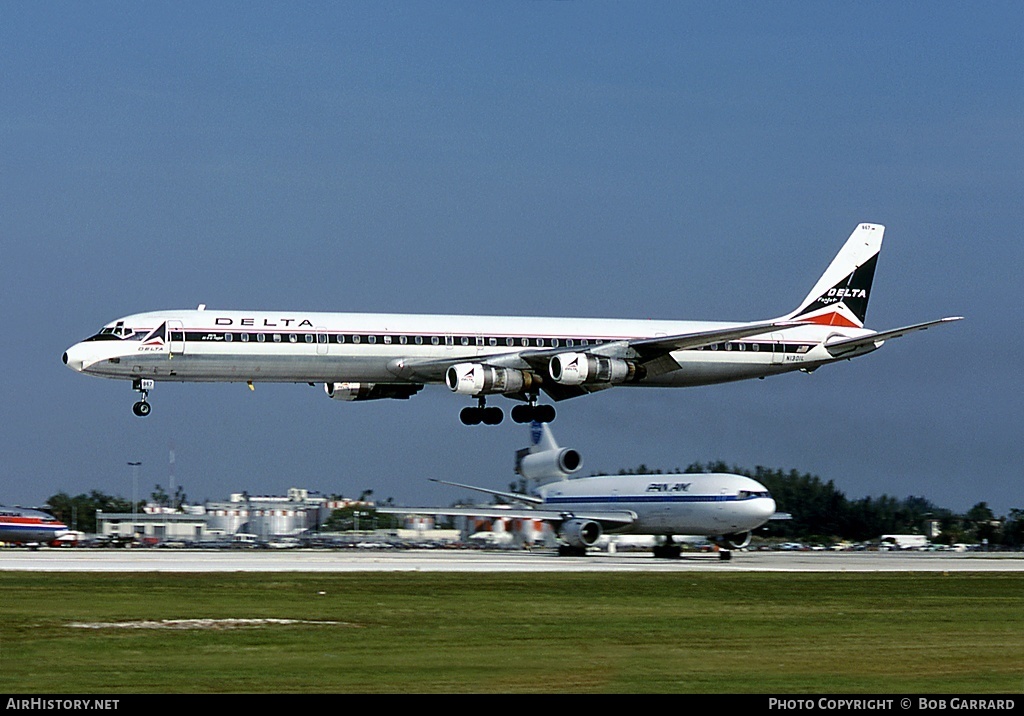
[(670, 550), (142, 386), (667, 549)]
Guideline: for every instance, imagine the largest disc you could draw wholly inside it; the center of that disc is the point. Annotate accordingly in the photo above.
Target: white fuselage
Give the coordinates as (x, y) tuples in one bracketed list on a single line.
[(368, 356), (230, 346), (710, 504)]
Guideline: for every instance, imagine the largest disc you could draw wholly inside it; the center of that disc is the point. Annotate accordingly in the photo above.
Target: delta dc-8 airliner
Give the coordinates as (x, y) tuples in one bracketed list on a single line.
[(371, 356)]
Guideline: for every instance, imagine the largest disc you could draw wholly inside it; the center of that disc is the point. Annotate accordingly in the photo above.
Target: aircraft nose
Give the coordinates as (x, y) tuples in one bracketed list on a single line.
[(74, 359)]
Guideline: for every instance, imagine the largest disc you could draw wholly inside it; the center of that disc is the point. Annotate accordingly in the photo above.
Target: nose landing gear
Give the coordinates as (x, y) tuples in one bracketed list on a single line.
[(142, 386)]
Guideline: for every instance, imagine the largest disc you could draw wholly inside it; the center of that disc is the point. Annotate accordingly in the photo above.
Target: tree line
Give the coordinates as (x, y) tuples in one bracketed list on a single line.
[(822, 513), (79, 512)]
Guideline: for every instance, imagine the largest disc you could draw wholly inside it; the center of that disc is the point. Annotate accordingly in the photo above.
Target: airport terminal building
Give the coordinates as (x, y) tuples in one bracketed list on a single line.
[(264, 517)]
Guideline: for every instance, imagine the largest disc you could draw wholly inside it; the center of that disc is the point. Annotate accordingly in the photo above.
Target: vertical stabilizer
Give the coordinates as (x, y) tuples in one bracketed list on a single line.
[(541, 438), (840, 297)]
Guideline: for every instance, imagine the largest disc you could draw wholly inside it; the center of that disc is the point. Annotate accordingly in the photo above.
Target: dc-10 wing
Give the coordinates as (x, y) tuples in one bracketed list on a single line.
[(514, 496), (848, 345), (610, 518)]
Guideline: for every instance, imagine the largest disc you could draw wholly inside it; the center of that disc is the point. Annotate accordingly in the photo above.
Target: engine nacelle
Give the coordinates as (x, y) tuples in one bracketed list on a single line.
[(580, 533), (549, 464), (477, 379), (738, 540), (370, 391), (579, 368)]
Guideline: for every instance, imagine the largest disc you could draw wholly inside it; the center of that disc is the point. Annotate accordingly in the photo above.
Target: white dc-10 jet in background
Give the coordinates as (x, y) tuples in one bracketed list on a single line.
[(370, 356), (723, 507)]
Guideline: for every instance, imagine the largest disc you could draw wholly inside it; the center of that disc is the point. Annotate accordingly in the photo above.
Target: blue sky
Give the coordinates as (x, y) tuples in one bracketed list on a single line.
[(669, 160)]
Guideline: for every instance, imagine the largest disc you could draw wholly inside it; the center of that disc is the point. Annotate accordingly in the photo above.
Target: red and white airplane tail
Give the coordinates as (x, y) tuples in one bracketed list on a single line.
[(840, 297)]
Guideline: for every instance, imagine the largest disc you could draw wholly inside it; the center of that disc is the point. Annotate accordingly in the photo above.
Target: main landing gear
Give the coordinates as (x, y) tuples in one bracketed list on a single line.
[(142, 386), (670, 550), (493, 416), (481, 414), (667, 549), (531, 412)]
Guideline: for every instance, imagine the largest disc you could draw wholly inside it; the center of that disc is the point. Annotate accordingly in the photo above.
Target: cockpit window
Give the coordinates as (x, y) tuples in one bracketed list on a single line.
[(118, 332)]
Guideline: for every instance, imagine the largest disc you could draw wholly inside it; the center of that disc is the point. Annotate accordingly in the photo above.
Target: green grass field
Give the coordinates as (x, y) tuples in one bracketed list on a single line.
[(583, 633)]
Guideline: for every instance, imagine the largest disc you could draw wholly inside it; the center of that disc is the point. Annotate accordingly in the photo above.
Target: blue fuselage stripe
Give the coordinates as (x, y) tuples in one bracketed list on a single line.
[(642, 498)]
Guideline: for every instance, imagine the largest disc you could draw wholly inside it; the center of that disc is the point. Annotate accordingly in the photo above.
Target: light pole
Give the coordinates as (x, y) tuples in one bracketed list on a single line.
[(135, 489)]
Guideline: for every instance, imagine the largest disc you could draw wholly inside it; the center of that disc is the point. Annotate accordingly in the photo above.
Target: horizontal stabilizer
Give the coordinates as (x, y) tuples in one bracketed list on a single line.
[(848, 345)]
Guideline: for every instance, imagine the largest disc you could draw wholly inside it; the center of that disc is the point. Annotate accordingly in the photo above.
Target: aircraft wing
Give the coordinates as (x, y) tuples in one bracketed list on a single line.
[(614, 518), (651, 348), (516, 496), (847, 345), (653, 354)]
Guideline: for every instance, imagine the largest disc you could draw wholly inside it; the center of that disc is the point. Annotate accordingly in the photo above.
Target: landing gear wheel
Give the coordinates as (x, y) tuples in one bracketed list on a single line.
[(667, 549), (529, 413), (142, 386), (481, 414), (522, 413), (565, 550)]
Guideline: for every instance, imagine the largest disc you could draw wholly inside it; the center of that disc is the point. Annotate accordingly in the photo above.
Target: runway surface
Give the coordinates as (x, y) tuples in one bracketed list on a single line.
[(155, 560)]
